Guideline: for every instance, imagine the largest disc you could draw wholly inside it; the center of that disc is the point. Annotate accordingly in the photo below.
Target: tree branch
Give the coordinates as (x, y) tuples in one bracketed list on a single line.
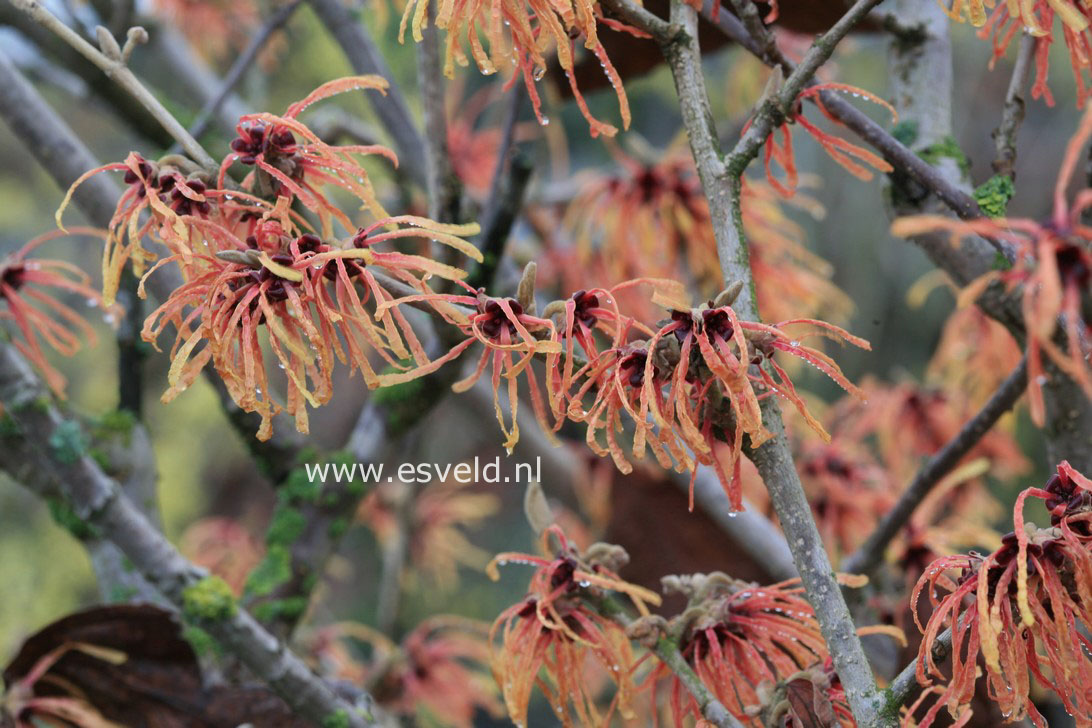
[(45, 439), (112, 60), (711, 708), (65, 158), (444, 188), (722, 186), (895, 152), (242, 63), (1012, 115), (391, 109), (135, 117), (779, 107), (870, 554), (667, 649)]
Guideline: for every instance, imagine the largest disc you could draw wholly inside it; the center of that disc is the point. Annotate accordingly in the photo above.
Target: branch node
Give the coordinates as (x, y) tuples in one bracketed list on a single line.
[(136, 35), (107, 44)]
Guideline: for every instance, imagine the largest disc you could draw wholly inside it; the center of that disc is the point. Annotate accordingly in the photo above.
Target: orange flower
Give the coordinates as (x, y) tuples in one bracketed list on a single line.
[(506, 332), (554, 635), (224, 547), (282, 283), (438, 672), (648, 220), (1037, 16), (652, 220), (250, 258), (692, 389), (38, 315), (520, 32), (290, 159), (739, 637), (1026, 608), (163, 192), (974, 355), (848, 492), (911, 421), (847, 155), (442, 513), (191, 213), (1052, 270)]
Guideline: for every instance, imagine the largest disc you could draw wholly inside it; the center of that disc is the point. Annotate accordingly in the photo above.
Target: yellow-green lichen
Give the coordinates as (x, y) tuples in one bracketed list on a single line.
[(994, 194), (208, 600)]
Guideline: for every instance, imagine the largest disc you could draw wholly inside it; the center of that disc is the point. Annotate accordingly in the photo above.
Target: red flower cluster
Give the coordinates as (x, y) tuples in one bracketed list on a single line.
[(254, 270), (1052, 271), (848, 155), (519, 33), (740, 638), (555, 636), (691, 389), (1025, 608), (37, 314)]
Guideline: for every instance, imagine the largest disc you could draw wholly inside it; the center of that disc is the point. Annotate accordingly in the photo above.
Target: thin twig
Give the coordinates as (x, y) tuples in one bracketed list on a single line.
[(904, 684), (1012, 115), (667, 649), (242, 63), (870, 554), (44, 438), (779, 107), (722, 186), (112, 60), (891, 149), (135, 117)]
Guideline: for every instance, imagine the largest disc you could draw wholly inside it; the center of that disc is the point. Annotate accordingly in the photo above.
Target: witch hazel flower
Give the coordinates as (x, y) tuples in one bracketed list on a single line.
[(156, 195), (555, 637), (1002, 21), (1024, 608), (1051, 271), (851, 157), (722, 360), (303, 292), (739, 638), (520, 33), (29, 287), (291, 160)]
